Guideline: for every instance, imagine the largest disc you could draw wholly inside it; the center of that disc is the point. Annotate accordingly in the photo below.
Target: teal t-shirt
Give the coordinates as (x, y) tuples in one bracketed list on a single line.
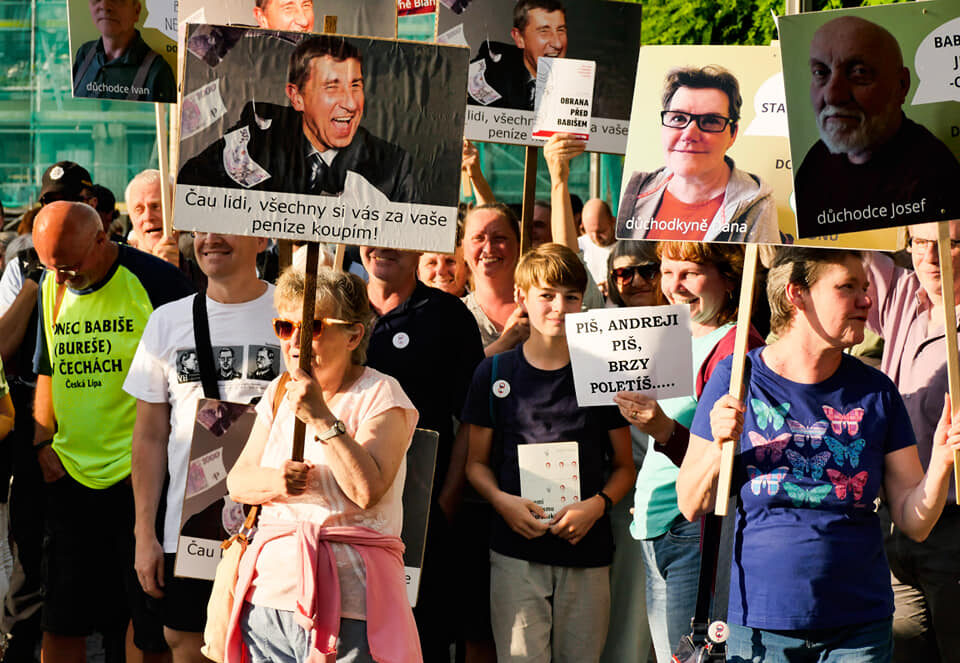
[(655, 498)]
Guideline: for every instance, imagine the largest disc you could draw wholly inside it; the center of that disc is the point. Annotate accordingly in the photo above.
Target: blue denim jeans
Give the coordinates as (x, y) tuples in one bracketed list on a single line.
[(672, 562), (272, 636), (861, 643)]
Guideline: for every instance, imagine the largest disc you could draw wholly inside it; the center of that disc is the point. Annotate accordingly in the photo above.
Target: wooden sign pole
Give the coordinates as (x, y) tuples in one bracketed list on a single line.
[(950, 331), (164, 160), (310, 304), (529, 196), (728, 450)]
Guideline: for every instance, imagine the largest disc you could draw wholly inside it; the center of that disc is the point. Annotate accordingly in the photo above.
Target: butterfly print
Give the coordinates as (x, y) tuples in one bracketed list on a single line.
[(838, 420)]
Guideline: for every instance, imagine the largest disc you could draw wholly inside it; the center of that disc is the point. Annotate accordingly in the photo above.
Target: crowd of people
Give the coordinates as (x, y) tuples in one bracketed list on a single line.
[(110, 340)]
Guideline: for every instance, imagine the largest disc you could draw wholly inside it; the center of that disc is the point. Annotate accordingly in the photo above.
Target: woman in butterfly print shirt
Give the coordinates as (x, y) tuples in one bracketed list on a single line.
[(705, 277), (810, 558)]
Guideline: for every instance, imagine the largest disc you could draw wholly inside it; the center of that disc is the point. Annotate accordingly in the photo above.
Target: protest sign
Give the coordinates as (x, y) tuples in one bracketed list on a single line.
[(139, 41), (416, 7), (757, 204), (417, 489), (645, 349), (874, 145), (209, 515), (371, 18), (500, 91), (377, 163), (550, 475), (564, 97)]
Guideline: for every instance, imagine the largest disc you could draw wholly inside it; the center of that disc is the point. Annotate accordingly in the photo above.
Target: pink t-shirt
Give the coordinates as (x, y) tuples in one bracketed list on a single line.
[(274, 583)]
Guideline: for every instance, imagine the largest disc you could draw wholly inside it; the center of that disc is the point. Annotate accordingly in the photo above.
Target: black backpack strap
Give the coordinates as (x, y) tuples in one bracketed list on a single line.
[(201, 336)]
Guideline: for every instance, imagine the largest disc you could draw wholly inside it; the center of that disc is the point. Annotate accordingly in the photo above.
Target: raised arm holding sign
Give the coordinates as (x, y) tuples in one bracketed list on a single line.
[(824, 432)]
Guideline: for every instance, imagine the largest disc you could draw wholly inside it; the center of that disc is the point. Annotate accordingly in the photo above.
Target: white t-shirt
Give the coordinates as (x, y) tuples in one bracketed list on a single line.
[(164, 370), (10, 285), (595, 257), (324, 503)]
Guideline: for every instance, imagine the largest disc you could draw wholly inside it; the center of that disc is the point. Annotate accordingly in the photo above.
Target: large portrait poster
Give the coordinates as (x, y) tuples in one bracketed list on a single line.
[(371, 18), (874, 132), (324, 138), (125, 49), (503, 62), (757, 204)]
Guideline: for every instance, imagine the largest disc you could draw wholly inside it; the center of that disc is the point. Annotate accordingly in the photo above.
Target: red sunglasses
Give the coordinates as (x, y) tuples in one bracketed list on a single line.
[(284, 328)]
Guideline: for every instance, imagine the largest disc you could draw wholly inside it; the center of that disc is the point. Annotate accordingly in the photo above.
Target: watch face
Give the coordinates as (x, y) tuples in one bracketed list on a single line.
[(341, 427)]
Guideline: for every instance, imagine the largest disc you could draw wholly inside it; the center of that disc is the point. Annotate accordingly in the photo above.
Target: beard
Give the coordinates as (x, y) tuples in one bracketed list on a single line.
[(870, 133)]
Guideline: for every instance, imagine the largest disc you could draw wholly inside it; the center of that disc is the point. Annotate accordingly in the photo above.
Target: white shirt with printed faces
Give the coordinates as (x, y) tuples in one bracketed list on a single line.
[(165, 370)]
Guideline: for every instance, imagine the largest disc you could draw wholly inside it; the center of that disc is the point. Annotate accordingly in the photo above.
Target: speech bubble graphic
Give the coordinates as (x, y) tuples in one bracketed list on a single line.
[(162, 16), (937, 65), (770, 106)]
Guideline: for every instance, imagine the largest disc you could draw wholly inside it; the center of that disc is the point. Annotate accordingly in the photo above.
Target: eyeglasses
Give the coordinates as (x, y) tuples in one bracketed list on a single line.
[(708, 122), (646, 272), (920, 245), (284, 328), (73, 271)]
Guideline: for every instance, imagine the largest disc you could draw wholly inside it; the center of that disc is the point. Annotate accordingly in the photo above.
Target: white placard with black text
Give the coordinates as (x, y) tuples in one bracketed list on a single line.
[(647, 349)]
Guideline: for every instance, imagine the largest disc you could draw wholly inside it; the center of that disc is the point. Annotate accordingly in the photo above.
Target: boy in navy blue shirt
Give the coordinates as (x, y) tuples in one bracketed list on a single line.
[(550, 586)]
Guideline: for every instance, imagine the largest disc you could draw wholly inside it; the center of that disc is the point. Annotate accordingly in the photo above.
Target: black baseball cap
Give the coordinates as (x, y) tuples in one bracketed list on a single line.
[(64, 180)]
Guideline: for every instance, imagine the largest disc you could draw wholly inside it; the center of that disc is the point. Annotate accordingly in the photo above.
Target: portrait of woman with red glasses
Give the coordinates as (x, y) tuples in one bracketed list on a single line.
[(699, 194), (324, 572)]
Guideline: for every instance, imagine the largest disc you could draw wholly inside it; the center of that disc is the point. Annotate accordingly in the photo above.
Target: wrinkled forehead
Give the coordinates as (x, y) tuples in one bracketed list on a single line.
[(541, 18), (850, 40), (929, 230), (327, 69)]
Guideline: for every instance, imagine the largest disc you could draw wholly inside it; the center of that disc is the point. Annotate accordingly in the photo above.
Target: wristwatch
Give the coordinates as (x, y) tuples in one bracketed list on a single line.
[(338, 428), (607, 502)]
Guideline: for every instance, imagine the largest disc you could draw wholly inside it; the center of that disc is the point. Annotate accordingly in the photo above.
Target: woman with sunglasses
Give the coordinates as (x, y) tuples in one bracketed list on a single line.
[(699, 194), (705, 277), (327, 559), (633, 275)]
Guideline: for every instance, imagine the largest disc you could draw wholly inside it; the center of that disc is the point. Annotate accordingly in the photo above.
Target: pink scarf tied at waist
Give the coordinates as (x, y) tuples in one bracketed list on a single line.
[(391, 630)]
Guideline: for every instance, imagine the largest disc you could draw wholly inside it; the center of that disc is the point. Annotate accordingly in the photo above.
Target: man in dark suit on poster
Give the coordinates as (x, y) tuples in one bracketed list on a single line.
[(316, 145), (505, 75)]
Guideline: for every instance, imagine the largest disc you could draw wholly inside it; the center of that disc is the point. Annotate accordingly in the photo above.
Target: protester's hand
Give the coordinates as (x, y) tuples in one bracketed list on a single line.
[(50, 464), (449, 504), (726, 419), (517, 327), (646, 414), (573, 521), (558, 151), (305, 396), (148, 562), (30, 265), (168, 248), (520, 514), (295, 477), (946, 439), (470, 161)]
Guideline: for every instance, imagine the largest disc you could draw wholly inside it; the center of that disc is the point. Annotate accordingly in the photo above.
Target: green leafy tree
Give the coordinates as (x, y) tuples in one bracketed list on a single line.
[(722, 21)]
